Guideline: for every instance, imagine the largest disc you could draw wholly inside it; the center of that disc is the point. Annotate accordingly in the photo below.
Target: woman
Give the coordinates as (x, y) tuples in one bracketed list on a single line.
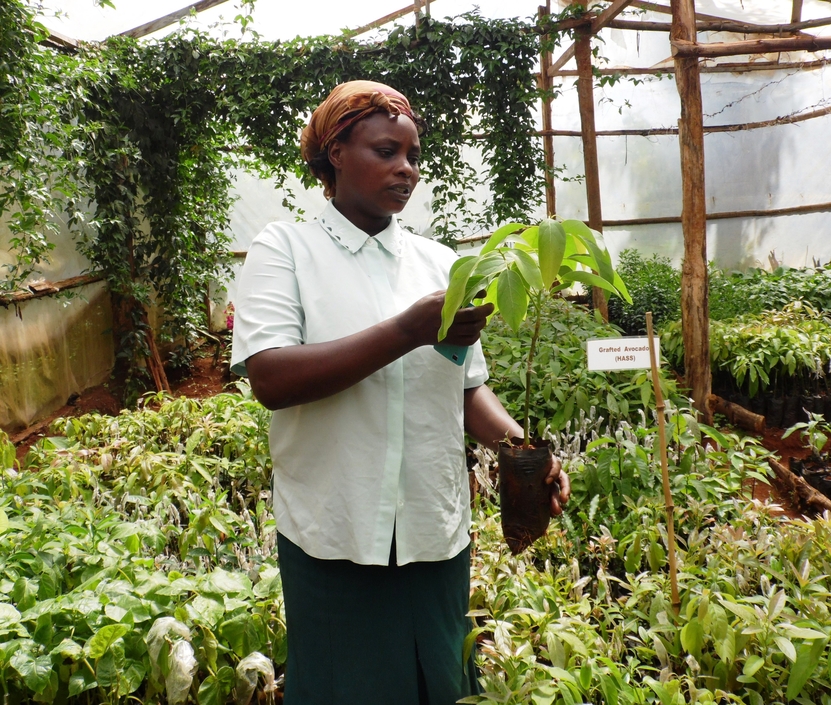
[(334, 326)]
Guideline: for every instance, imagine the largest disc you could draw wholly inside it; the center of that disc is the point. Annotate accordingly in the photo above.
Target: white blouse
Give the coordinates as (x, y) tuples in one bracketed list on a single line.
[(387, 453)]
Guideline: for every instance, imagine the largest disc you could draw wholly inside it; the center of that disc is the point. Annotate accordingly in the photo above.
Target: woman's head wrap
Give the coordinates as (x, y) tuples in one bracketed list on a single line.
[(347, 104)]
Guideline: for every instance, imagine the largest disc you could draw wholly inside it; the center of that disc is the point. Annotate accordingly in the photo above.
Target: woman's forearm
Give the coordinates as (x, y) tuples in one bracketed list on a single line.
[(486, 420), (299, 374)]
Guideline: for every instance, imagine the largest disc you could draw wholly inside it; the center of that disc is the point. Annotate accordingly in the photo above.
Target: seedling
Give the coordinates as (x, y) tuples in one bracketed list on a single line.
[(521, 264)]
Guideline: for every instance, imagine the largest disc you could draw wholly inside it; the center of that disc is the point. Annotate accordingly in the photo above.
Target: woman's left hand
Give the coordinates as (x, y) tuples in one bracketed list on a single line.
[(560, 486)]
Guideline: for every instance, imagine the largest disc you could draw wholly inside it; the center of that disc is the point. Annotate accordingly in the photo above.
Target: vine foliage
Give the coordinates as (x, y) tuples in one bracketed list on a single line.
[(132, 145)]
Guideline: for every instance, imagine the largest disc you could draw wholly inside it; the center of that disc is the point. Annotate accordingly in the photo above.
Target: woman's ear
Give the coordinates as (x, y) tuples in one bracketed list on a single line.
[(334, 153)]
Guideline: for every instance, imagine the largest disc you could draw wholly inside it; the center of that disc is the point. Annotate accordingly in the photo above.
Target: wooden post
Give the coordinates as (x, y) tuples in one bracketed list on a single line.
[(547, 140), (695, 315), (585, 94), (796, 12)]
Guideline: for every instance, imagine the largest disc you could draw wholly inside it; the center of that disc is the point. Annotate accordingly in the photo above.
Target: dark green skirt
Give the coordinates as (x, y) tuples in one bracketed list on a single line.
[(375, 635)]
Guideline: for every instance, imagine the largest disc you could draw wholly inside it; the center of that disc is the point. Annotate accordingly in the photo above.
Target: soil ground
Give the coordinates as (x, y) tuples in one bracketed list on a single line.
[(206, 378)]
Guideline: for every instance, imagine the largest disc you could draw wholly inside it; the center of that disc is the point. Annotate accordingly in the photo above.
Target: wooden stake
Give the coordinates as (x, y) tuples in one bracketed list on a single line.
[(662, 439), (691, 49), (694, 282)]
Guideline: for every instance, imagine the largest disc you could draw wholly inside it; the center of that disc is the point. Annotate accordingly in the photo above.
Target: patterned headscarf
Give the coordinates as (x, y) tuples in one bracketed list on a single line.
[(347, 104)]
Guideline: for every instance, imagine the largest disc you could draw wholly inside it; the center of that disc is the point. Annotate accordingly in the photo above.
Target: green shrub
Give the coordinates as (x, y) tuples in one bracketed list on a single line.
[(737, 293), (654, 285), (787, 351)]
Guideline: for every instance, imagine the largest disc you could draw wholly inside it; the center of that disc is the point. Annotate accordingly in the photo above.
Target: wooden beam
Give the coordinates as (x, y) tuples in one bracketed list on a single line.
[(598, 23), (57, 40), (724, 215), (722, 67), (381, 21), (603, 19), (663, 9), (682, 48), (695, 315), (48, 289), (724, 26), (162, 22)]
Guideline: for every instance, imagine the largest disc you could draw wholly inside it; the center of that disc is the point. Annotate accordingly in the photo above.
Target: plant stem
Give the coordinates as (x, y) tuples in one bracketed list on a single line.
[(527, 422)]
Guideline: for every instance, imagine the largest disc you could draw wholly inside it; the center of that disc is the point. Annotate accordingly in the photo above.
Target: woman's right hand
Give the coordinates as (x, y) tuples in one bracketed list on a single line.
[(422, 320)]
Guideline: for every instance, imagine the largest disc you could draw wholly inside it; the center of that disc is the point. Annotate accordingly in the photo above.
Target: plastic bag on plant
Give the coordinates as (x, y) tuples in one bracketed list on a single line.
[(182, 669), (248, 672), (155, 639)]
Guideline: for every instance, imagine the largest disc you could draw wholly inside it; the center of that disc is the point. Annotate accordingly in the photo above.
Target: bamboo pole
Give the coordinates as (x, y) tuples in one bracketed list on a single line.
[(694, 283), (662, 439), (547, 141), (585, 95)]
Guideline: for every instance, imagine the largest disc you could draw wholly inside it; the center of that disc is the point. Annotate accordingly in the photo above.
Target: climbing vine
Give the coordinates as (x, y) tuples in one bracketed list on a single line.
[(132, 144)]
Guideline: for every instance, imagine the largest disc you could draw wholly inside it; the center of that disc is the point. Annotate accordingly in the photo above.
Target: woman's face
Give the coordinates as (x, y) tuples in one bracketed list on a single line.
[(376, 170)]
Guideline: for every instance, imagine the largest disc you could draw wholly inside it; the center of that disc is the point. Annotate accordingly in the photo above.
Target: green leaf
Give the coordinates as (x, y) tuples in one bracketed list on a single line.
[(786, 647), (529, 269), (807, 658), (499, 236), (753, 664), (454, 297), (35, 672), (552, 247), (588, 278), (692, 637), (80, 681), (511, 298), (100, 642), (4, 520)]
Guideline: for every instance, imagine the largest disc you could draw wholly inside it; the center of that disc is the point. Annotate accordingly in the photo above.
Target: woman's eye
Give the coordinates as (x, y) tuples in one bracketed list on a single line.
[(385, 152), (415, 160)]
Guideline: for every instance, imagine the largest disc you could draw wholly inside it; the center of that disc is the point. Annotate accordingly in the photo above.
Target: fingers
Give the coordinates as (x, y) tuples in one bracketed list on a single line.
[(560, 486), (468, 324)]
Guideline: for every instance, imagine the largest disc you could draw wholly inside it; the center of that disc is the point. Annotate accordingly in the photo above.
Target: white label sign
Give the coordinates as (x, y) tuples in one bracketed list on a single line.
[(620, 353)]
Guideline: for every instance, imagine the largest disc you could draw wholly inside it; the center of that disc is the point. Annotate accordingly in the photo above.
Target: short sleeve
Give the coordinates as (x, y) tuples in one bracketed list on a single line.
[(267, 310), (476, 367)]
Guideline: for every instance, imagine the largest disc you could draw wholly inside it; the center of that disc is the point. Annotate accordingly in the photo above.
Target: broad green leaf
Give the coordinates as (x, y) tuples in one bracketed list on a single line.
[(68, 649), (489, 264), (499, 236), (454, 297), (588, 278), (803, 632), (80, 681), (692, 637), (580, 230), (786, 647), (511, 298), (529, 269), (35, 671), (221, 582), (131, 678), (621, 288), (586, 675), (807, 659), (211, 692), (552, 247), (100, 642), (776, 604), (611, 692), (753, 664), (9, 616), (4, 520), (531, 237)]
